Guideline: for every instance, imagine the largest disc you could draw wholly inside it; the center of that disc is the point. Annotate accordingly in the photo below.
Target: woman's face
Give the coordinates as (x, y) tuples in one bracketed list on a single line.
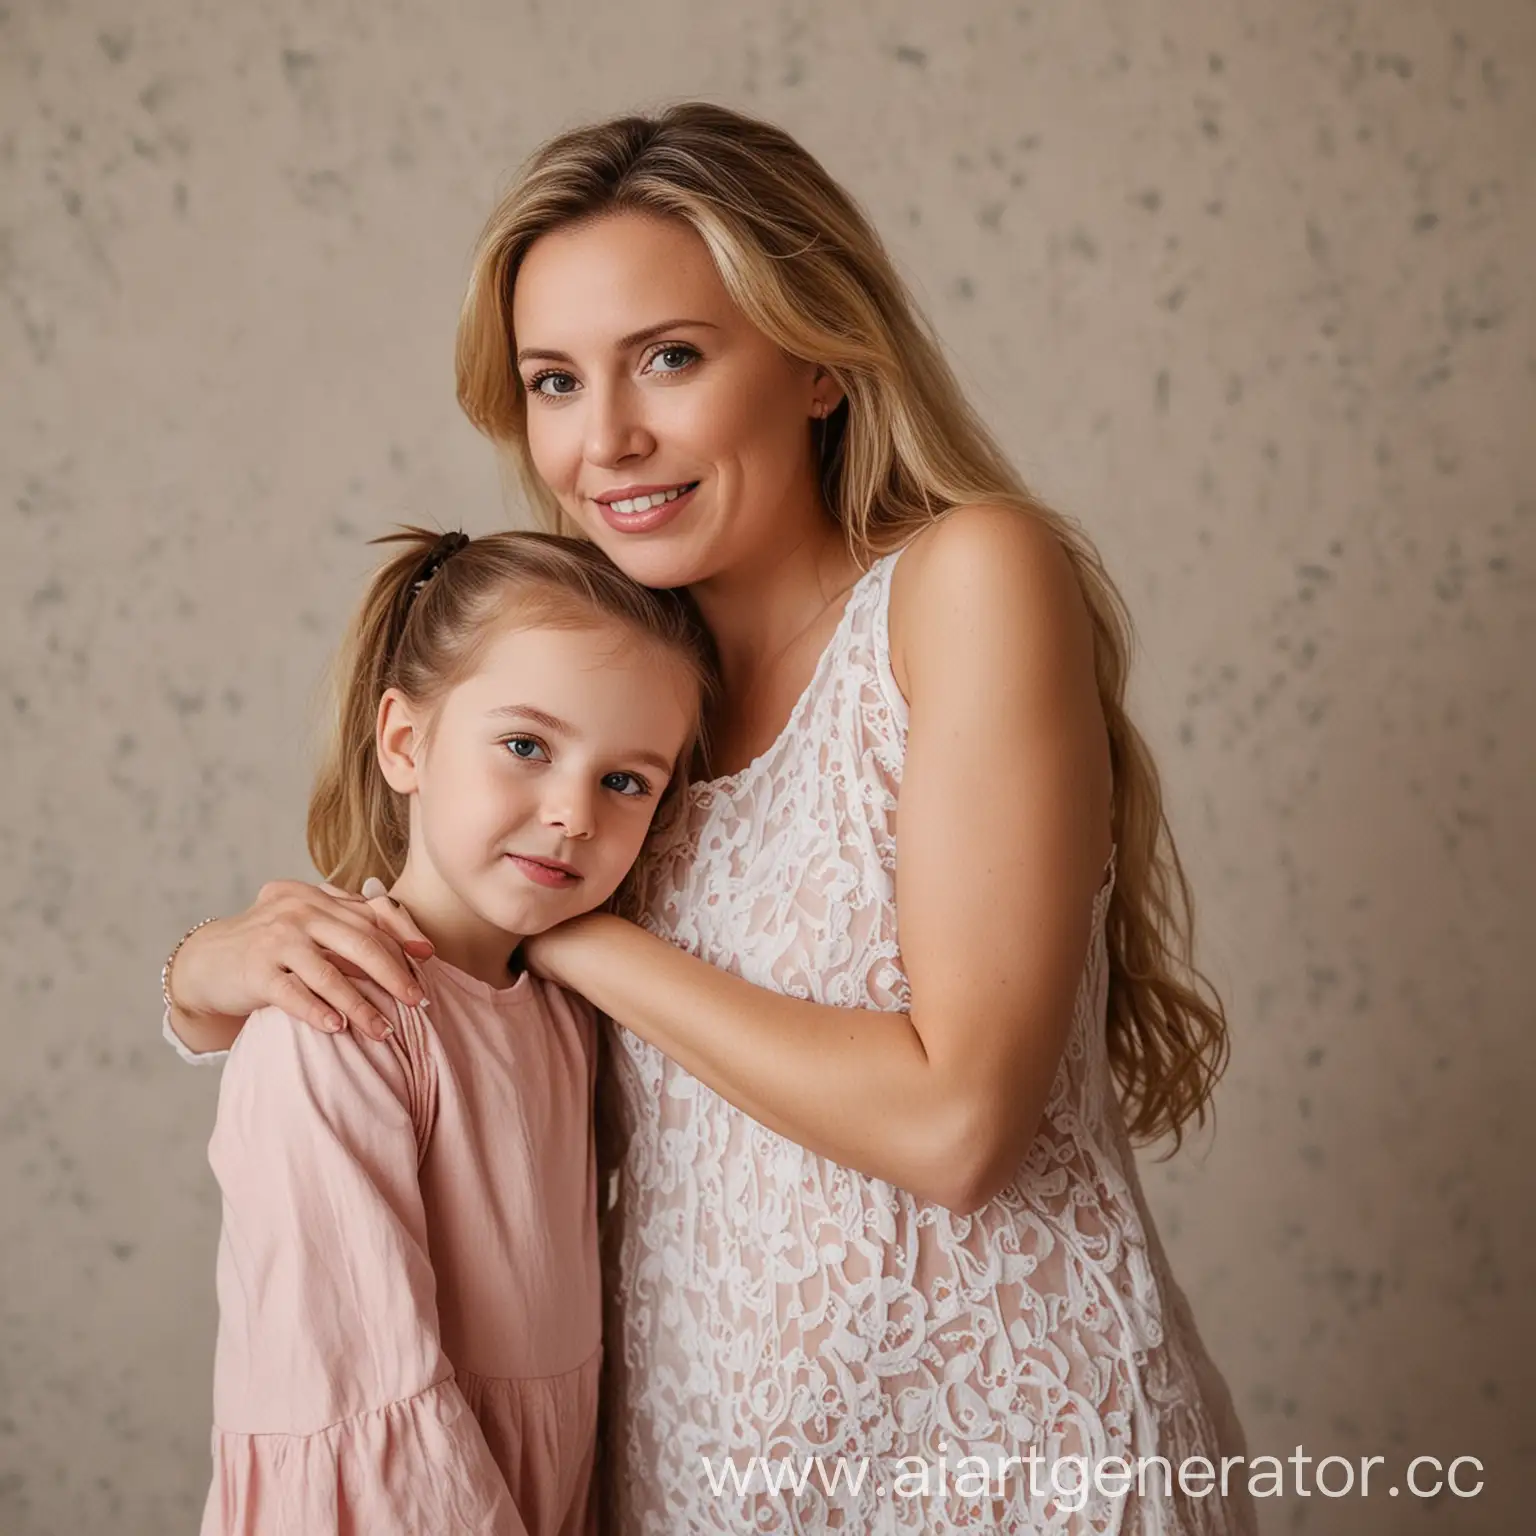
[(643, 378)]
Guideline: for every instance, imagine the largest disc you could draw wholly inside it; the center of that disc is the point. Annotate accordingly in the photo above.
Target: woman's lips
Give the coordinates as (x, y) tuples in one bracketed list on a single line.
[(544, 874), (649, 520)]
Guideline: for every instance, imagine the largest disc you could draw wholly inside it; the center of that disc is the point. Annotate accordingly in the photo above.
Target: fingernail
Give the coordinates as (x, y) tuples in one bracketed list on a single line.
[(333, 1022), (389, 1029), (373, 888)]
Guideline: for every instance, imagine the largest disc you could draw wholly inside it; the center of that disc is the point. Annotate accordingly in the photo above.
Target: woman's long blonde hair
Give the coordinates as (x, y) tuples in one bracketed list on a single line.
[(423, 630), (805, 266)]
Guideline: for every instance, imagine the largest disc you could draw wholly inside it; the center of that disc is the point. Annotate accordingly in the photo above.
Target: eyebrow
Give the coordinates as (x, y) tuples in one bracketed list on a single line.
[(562, 728), (625, 343)]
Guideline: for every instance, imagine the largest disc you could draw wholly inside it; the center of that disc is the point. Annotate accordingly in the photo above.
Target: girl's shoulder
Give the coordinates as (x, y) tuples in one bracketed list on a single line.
[(297, 1070)]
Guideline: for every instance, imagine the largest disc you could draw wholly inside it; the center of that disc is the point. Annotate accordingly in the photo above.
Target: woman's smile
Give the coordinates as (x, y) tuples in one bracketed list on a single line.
[(646, 513)]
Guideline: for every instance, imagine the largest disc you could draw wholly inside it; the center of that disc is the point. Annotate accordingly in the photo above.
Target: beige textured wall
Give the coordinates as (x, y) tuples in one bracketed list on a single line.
[(1247, 288)]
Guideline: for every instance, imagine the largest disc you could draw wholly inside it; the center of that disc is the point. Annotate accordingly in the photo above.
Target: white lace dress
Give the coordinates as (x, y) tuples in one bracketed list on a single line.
[(767, 1303)]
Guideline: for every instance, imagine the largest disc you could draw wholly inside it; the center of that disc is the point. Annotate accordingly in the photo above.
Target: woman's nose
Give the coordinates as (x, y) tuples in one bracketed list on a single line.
[(616, 430)]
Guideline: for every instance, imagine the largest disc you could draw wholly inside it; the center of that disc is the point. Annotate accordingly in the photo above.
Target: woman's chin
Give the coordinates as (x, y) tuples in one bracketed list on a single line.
[(674, 556)]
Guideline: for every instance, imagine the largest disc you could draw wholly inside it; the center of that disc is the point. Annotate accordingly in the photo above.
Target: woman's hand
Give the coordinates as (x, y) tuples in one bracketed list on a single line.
[(556, 953), (297, 948)]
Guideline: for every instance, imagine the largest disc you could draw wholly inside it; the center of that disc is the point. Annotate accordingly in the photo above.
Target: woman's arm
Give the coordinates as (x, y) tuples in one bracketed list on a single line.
[(335, 1407), (297, 947), (1004, 834)]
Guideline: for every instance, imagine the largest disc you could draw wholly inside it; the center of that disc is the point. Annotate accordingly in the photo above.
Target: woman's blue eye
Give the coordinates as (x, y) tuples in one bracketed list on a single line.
[(635, 784), (686, 353), (537, 382), (524, 747), (683, 356)]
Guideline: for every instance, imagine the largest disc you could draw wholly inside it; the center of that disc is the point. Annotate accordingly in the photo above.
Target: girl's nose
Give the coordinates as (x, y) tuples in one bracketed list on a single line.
[(570, 807)]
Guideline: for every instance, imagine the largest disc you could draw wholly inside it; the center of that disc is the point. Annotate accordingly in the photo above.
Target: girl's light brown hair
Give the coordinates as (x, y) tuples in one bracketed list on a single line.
[(804, 264), (426, 641)]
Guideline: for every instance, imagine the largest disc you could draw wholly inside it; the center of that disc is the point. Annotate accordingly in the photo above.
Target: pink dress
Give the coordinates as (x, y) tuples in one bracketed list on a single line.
[(409, 1295)]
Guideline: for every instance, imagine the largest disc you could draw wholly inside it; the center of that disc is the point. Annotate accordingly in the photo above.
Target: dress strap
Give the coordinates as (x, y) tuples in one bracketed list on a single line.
[(1106, 884), (880, 638)]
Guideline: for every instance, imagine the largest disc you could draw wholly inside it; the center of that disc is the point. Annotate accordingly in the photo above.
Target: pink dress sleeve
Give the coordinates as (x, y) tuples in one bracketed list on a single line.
[(335, 1408)]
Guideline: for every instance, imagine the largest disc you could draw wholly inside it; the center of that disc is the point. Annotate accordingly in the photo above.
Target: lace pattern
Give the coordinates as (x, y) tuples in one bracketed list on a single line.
[(770, 1303)]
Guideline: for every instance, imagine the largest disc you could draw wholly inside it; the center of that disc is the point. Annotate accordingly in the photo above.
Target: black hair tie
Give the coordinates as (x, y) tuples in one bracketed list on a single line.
[(446, 547)]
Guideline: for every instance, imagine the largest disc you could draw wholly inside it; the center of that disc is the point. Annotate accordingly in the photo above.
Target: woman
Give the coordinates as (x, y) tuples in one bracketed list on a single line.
[(875, 1195)]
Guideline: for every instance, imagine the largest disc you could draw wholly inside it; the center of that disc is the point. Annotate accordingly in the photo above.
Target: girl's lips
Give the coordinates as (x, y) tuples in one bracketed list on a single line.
[(649, 520), (543, 874)]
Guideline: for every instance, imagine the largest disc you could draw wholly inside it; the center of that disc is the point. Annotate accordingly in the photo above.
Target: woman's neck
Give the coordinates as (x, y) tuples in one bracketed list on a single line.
[(758, 609)]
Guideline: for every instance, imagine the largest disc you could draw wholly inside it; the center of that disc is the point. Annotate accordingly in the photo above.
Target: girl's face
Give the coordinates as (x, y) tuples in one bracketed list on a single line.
[(534, 787), (643, 378)]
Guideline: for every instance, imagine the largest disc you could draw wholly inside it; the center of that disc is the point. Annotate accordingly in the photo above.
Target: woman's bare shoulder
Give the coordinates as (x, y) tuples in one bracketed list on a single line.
[(984, 559)]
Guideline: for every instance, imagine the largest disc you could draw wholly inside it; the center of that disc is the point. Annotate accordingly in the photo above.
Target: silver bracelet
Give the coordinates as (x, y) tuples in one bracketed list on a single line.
[(165, 970)]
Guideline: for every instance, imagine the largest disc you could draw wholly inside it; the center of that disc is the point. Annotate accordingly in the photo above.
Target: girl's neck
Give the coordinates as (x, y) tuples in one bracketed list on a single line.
[(459, 937)]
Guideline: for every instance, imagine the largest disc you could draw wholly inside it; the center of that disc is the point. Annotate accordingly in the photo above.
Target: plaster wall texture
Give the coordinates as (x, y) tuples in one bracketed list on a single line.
[(1244, 288)]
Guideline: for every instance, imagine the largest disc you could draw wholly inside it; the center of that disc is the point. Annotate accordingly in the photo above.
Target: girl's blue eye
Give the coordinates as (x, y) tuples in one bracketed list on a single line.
[(524, 747), (619, 781)]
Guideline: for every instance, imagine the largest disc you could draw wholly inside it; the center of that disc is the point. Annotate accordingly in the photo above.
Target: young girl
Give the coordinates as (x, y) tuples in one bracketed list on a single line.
[(409, 1331)]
